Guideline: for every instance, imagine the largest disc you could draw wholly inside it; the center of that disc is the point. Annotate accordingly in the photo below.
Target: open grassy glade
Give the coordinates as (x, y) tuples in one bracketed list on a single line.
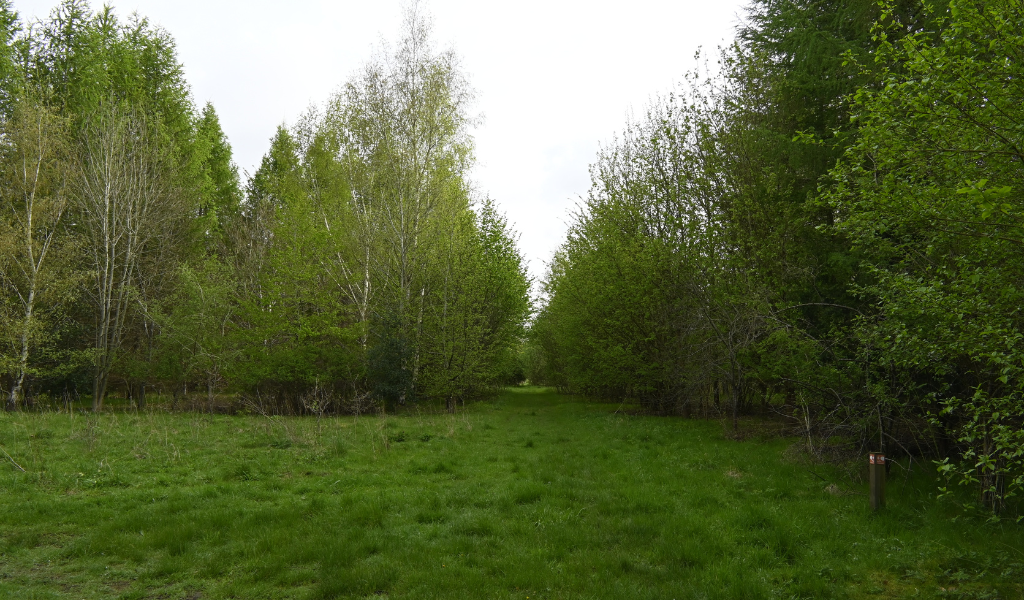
[(532, 495)]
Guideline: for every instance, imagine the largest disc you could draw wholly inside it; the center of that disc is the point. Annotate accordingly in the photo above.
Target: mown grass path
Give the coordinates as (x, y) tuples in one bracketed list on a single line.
[(532, 495)]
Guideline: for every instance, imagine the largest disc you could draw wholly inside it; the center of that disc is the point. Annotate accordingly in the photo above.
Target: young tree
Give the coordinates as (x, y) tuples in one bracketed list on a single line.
[(122, 195), (196, 322), (407, 142), (474, 319), (33, 190), (219, 191), (296, 327)]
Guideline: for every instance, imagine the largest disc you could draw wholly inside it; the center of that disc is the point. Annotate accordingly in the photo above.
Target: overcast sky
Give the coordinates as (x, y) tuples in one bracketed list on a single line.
[(553, 78)]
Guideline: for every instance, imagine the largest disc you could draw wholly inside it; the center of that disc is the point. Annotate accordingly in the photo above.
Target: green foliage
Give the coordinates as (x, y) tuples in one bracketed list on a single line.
[(294, 327), (196, 322), (930, 192), (355, 269), (614, 288), (96, 73), (39, 276), (84, 58), (475, 328), (830, 229), (362, 264), (219, 192), (702, 238), (9, 76)]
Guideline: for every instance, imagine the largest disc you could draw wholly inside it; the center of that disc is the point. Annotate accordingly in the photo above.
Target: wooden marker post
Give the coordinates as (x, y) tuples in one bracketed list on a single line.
[(876, 475)]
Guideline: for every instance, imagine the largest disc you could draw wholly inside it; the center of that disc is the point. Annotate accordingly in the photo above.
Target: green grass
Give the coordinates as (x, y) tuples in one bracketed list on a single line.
[(533, 495)]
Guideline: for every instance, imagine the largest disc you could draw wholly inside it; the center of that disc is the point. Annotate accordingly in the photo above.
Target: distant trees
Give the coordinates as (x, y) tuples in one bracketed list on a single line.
[(356, 266), (407, 124), (408, 146), (360, 230)]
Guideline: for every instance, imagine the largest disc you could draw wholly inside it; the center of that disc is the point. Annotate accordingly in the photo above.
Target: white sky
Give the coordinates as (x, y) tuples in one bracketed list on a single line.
[(554, 78)]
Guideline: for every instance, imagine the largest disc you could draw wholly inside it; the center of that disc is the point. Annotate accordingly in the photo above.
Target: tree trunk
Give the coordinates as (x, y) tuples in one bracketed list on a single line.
[(19, 379), (735, 408), (99, 390), (3, 380), (121, 190), (12, 401), (37, 138)]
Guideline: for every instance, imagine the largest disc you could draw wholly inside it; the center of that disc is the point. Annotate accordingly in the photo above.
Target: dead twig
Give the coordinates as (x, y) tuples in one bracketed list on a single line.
[(13, 462)]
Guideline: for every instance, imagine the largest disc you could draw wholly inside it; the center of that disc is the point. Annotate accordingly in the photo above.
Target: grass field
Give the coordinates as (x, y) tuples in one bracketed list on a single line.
[(532, 495)]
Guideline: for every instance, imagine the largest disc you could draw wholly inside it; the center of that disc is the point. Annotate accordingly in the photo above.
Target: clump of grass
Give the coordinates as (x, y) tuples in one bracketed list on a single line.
[(527, 494), (532, 494)]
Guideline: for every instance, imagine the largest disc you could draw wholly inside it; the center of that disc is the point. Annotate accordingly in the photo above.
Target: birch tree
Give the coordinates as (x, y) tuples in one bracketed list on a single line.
[(121, 193), (35, 200), (407, 138)]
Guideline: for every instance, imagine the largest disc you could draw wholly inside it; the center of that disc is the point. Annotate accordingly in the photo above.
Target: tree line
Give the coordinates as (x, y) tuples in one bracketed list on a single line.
[(355, 268), (829, 227)]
